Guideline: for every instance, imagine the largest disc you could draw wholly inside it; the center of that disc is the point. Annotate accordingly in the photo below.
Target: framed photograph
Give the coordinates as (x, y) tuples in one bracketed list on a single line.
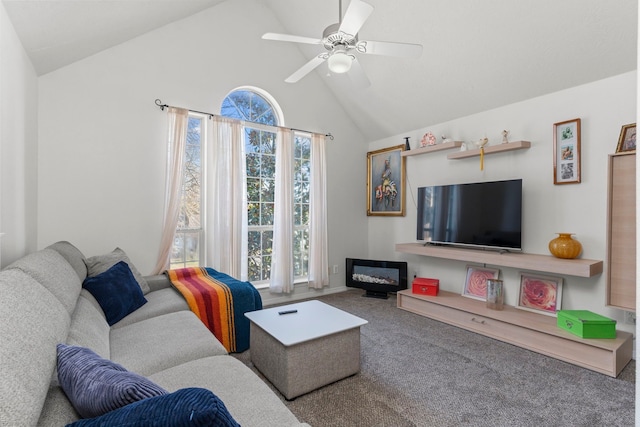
[(475, 286), (627, 140), (541, 294), (385, 181), (566, 152)]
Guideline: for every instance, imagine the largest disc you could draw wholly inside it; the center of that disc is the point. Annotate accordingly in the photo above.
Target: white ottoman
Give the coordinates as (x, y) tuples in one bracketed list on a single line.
[(301, 351)]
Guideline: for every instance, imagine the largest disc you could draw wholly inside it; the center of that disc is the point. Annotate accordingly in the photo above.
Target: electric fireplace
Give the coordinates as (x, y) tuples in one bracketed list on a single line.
[(376, 278)]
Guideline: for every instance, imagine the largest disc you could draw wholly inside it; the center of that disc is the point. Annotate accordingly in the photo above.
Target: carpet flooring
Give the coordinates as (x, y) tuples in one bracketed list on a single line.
[(420, 372)]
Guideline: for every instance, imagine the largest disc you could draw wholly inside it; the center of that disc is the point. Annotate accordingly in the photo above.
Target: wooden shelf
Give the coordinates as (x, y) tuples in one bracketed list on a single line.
[(621, 232), (545, 263), (533, 331), (432, 148), (491, 149)]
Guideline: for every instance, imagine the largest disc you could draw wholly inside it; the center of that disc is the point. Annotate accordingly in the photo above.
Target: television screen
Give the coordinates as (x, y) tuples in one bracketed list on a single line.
[(483, 214)]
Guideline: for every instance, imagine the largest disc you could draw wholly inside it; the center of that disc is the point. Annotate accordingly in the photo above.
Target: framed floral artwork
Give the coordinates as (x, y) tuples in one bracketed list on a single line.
[(475, 285), (385, 181), (541, 294), (627, 139), (566, 152)]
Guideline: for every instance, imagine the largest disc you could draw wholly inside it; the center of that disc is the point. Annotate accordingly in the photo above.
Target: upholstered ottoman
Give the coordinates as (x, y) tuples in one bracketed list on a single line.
[(301, 347)]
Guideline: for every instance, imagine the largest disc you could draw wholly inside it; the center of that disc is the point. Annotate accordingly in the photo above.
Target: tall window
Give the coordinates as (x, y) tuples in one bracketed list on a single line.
[(262, 118), (301, 186), (260, 149), (186, 251)]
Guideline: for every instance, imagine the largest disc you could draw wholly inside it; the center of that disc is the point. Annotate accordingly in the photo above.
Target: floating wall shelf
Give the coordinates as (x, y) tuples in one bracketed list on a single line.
[(432, 148), (491, 149), (570, 267)]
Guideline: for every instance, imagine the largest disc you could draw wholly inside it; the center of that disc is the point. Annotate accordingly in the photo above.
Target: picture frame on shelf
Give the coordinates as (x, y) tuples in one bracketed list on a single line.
[(475, 284), (386, 182), (566, 152), (540, 294), (627, 139)]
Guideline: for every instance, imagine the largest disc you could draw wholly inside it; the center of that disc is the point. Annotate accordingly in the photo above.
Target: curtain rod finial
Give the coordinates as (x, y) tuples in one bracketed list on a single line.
[(329, 136), (160, 104)]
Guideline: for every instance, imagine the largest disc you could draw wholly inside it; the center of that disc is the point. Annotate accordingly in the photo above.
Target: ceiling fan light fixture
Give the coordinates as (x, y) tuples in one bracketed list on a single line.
[(339, 61)]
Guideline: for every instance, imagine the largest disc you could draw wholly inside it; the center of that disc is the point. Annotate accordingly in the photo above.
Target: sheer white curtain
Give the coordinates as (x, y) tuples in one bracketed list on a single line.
[(225, 211), (177, 136), (318, 241), (282, 260)]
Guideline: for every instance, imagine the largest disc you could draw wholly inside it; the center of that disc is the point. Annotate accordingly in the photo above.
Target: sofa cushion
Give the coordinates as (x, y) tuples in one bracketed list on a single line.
[(52, 271), (158, 281), (159, 302), (89, 327), (234, 383), (185, 407), (163, 341), (57, 409), (73, 256), (101, 263), (117, 292), (96, 386), (32, 322)]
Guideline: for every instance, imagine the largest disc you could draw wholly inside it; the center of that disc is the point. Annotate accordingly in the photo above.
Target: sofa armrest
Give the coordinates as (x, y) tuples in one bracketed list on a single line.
[(158, 281)]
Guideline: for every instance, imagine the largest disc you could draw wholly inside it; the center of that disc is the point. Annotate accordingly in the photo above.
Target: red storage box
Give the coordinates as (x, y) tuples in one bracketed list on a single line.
[(424, 286)]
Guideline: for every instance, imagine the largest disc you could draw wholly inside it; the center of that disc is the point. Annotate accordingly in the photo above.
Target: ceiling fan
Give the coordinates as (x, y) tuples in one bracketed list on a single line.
[(342, 45)]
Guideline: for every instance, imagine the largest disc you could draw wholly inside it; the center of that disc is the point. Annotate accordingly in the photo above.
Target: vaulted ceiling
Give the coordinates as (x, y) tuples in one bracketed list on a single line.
[(477, 54)]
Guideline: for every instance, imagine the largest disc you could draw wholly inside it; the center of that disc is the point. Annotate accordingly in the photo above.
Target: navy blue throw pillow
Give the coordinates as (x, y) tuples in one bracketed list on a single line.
[(188, 407), (117, 292)]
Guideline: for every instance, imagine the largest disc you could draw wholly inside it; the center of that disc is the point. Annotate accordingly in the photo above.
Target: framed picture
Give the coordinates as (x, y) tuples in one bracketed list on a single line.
[(475, 286), (627, 140), (542, 294), (566, 152), (385, 181)]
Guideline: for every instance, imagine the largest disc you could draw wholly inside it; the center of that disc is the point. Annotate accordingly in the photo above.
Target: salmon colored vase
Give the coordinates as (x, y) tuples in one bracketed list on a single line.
[(565, 246)]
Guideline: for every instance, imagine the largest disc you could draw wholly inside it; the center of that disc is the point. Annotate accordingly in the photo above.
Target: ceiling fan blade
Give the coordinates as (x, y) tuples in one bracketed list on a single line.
[(355, 16), (402, 50), (358, 76), (290, 38), (305, 69)]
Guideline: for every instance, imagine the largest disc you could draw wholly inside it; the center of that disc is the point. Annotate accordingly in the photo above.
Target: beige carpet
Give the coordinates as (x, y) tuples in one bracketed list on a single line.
[(419, 372)]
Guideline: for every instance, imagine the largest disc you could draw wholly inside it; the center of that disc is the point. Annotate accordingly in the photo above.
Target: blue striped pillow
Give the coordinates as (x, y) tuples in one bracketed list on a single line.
[(96, 386), (188, 407)]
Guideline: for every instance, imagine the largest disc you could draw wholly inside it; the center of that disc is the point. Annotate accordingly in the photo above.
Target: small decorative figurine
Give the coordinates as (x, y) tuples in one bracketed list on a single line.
[(407, 147), (428, 139), (504, 136), (445, 139), (463, 147), (482, 142)]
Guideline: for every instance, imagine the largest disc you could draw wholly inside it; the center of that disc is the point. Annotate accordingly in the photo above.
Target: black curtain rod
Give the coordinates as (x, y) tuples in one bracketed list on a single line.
[(163, 106)]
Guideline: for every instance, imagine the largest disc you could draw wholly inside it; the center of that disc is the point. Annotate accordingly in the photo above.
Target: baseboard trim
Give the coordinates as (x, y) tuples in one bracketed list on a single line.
[(269, 299)]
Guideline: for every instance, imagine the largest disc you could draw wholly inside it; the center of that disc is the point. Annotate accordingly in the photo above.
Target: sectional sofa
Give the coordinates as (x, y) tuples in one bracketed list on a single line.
[(43, 304)]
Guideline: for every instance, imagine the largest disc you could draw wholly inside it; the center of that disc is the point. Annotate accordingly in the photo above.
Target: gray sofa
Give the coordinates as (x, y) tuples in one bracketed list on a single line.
[(42, 303)]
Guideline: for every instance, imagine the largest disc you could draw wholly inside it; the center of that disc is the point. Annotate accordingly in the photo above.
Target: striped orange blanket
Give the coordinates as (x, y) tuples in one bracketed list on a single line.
[(220, 301)]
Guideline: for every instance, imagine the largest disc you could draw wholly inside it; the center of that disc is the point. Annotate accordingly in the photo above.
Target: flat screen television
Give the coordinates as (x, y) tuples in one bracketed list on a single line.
[(377, 278), (484, 215)]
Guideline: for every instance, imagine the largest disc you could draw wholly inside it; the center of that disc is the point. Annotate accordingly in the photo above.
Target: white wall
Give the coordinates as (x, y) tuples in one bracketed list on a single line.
[(18, 142), (603, 108), (102, 140)]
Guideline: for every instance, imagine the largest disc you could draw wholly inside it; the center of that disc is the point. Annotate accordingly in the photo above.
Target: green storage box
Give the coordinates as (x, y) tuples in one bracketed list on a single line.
[(586, 324)]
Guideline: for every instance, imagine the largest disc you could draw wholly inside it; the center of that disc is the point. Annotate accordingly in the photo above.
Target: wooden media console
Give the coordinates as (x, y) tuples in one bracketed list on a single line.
[(535, 332)]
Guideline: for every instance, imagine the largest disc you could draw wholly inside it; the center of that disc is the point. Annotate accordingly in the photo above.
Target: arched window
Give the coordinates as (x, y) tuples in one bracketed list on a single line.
[(252, 105), (262, 116), (256, 106)]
